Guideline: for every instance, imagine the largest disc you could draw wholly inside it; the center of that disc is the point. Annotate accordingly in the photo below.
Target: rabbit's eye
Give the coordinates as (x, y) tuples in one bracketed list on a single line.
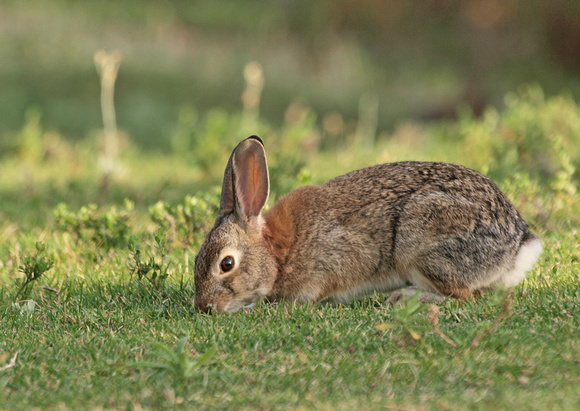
[(227, 264)]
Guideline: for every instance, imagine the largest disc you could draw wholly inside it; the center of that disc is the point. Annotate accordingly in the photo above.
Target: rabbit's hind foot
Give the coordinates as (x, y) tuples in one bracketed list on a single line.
[(401, 295)]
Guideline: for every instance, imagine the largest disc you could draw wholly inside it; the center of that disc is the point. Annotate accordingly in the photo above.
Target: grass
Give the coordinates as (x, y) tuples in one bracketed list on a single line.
[(92, 334), (77, 348)]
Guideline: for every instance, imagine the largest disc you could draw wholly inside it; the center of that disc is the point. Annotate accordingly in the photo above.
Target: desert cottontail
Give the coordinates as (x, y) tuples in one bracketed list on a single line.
[(440, 227)]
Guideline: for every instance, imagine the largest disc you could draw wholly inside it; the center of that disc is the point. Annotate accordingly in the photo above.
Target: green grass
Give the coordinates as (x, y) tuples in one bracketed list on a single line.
[(79, 348), (89, 335)]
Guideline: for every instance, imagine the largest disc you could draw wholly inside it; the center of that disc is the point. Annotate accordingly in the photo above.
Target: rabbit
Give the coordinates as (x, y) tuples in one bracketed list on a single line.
[(442, 228)]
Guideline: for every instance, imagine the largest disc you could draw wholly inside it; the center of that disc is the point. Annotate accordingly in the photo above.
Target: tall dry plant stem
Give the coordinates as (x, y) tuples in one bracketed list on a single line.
[(254, 78), (107, 65), (368, 119)]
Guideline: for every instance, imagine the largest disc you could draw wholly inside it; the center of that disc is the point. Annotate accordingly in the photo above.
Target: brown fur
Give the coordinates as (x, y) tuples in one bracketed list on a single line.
[(278, 233)]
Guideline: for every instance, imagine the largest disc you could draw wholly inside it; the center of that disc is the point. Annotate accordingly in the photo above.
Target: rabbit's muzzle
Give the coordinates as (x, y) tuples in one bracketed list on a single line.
[(202, 306)]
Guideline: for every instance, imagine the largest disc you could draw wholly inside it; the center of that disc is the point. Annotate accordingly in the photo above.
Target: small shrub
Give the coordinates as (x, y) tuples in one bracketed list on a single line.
[(187, 223), (521, 138), (563, 184), (530, 199), (542, 203), (107, 229)]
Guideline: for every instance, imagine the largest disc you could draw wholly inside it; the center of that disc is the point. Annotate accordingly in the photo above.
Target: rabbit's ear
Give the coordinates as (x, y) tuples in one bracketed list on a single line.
[(246, 183), (227, 198), (251, 181)]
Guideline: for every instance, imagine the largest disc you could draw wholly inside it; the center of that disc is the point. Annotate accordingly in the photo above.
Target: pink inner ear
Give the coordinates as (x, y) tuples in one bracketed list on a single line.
[(251, 186)]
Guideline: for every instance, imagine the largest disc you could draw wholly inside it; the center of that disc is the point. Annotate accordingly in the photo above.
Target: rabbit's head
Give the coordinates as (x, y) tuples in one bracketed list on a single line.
[(234, 266)]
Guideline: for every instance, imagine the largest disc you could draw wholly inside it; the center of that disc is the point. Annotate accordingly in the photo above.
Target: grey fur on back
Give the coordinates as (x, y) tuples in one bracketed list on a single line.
[(451, 224)]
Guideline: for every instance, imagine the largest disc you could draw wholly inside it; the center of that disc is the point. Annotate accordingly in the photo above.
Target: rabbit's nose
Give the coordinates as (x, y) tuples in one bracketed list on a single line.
[(202, 306)]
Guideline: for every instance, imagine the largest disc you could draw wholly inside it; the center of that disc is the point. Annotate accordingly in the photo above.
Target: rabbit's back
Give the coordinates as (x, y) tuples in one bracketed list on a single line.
[(394, 183), (439, 226)]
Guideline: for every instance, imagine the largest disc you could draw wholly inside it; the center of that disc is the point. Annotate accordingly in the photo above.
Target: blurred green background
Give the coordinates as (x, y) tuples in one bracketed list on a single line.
[(419, 59)]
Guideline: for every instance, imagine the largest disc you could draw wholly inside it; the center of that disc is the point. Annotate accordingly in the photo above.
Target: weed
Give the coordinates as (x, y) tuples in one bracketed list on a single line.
[(176, 361), (409, 319), (154, 272), (33, 267)]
